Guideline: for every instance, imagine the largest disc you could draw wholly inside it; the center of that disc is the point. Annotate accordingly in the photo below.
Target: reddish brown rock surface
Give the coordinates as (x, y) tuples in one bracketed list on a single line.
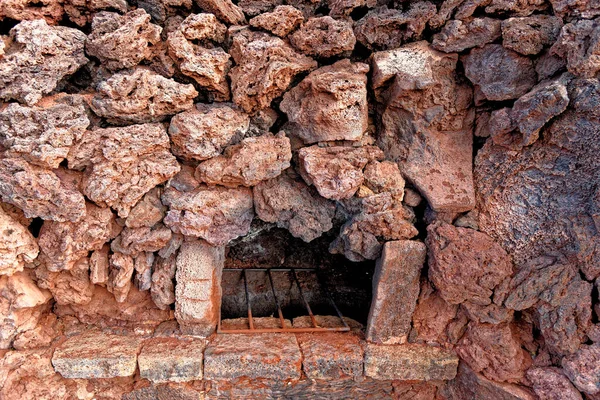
[(329, 104), (324, 37), (281, 21)]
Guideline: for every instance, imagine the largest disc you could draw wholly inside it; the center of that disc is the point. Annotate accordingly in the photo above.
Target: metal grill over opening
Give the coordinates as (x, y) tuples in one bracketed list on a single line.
[(277, 300)]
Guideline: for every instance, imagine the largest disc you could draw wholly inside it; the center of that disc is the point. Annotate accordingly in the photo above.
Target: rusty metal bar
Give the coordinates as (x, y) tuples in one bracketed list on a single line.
[(250, 319), (312, 317), (326, 291), (281, 319), (283, 328)]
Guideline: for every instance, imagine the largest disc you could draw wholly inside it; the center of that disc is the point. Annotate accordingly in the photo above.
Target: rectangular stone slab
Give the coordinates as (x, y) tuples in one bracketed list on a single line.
[(395, 291), (331, 355), (271, 356), (171, 360), (97, 355), (409, 362)]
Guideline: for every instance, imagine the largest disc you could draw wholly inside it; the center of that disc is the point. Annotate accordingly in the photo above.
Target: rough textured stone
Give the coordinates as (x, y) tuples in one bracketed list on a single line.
[(96, 355), (225, 10), (458, 35), (331, 355), (99, 266), (248, 163), (576, 44), (494, 351), (22, 303), (576, 9), (206, 63), (122, 41), (529, 35), (39, 192), (383, 28), (395, 291), (213, 213), (291, 204), (275, 356), (559, 206), (465, 264), (533, 110), (81, 12), (324, 37), (198, 290), (71, 286), (409, 362), (379, 216), (431, 317), (265, 68), (344, 8), (171, 360), (583, 368), (551, 384), (499, 74), (281, 21), (62, 244), (413, 81), (121, 269), (471, 385), (329, 104), (162, 287), (336, 172), (148, 211), (20, 10), (43, 135), (140, 95), (17, 245), (126, 163), (37, 58), (133, 241)]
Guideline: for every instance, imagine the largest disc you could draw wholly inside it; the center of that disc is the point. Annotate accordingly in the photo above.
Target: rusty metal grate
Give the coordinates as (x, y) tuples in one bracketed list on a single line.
[(277, 307)]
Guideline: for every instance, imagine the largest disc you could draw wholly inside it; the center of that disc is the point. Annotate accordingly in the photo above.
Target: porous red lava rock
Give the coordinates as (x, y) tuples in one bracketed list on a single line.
[(206, 130), (324, 37), (281, 21), (385, 200), (265, 68), (329, 104), (37, 57), (291, 204), (383, 28), (139, 96), (122, 41), (248, 163), (498, 73), (206, 63), (43, 135)]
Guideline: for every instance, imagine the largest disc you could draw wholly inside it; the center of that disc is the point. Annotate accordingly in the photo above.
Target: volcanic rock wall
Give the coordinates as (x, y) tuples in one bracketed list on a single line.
[(466, 130)]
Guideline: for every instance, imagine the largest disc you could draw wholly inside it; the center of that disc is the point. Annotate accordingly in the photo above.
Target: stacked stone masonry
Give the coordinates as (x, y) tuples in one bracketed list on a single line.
[(449, 148)]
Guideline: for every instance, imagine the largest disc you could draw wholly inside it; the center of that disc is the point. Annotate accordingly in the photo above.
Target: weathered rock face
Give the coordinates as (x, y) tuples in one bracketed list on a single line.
[(139, 96), (458, 35), (213, 213), (498, 73), (126, 163), (62, 244), (37, 58), (122, 41), (39, 192), (336, 172), (281, 21), (494, 351), (207, 64), (426, 123), (324, 37), (252, 161), (384, 28), (43, 135), (206, 130), (465, 264), (329, 104), (17, 247), (291, 204), (265, 68), (150, 154)]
